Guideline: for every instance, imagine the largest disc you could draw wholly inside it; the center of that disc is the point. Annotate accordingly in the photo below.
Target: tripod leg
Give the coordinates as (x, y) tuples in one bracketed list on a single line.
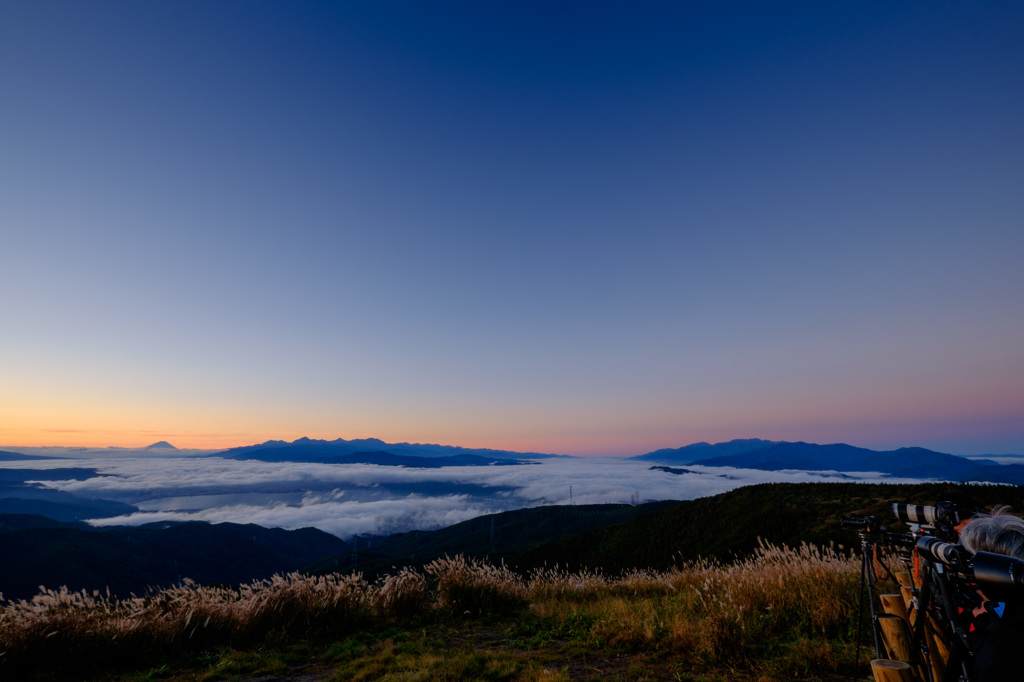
[(875, 628), (860, 619)]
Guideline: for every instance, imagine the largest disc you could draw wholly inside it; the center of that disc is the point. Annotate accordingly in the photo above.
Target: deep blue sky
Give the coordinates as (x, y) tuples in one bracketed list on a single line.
[(570, 227)]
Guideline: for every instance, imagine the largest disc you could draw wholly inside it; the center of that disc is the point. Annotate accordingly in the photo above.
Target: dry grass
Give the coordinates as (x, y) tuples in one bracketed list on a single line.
[(473, 587), (78, 630), (782, 609), (716, 612)]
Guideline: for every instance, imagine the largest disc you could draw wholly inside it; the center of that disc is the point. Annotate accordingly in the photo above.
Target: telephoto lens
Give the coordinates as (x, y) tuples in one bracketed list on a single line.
[(900, 540), (999, 576), (954, 556), (864, 524), (914, 513)]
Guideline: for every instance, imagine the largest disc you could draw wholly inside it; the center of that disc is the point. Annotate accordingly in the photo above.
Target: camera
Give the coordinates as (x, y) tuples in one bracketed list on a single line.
[(864, 524), (953, 556), (997, 575)]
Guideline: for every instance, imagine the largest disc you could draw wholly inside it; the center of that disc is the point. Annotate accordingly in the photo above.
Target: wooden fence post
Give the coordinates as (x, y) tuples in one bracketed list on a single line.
[(886, 670), (898, 642), (894, 604)]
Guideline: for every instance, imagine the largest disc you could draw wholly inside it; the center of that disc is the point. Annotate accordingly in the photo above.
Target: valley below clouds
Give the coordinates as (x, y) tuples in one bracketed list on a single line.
[(361, 499)]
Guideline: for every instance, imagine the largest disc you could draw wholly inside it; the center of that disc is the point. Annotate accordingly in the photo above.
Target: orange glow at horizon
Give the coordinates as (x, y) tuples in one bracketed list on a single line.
[(138, 433), (68, 418)]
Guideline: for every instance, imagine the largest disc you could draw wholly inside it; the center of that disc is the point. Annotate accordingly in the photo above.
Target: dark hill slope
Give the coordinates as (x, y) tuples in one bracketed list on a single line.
[(131, 559), (62, 506), (995, 473), (731, 523), (9, 522), (514, 532)]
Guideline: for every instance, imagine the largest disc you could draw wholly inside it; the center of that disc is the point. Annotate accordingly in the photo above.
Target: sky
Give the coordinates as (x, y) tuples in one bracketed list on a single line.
[(567, 227)]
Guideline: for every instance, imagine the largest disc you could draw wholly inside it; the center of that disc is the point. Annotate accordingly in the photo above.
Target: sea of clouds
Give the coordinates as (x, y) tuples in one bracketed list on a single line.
[(359, 499)]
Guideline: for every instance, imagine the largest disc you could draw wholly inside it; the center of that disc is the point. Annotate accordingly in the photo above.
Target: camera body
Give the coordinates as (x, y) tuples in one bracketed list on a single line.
[(863, 524)]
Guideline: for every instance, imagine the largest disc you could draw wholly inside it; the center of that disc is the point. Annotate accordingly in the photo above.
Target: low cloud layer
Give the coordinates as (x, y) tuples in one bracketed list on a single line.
[(355, 499), (343, 519)]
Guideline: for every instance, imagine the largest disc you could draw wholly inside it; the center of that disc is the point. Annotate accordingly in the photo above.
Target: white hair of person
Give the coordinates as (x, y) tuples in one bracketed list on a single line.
[(998, 532)]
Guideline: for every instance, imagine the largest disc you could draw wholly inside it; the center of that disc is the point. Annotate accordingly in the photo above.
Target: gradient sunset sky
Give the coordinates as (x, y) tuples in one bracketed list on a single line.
[(582, 228)]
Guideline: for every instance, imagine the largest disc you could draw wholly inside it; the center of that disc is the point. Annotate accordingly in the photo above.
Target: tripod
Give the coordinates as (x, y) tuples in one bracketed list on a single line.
[(957, 667), (867, 578)]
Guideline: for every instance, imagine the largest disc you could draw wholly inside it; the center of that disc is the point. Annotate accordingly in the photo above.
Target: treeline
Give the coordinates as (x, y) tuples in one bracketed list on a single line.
[(731, 524), (657, 536)]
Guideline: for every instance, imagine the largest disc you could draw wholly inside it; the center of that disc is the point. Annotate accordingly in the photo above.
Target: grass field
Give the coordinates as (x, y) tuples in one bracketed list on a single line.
[(783, 613)]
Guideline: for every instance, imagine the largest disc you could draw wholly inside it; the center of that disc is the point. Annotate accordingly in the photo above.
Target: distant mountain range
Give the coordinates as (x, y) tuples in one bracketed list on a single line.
[(6, 456), (21, 494), (690, 454), (372, 451), (775, 456)]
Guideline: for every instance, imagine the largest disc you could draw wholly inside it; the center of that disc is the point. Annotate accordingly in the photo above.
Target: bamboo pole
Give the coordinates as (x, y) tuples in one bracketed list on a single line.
[(885, 670), (894, 604)]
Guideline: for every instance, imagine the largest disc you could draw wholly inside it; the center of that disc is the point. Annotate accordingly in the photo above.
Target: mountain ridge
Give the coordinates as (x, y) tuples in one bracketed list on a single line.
[(906, 462), (688, 454), (9, 456), (314, 450)]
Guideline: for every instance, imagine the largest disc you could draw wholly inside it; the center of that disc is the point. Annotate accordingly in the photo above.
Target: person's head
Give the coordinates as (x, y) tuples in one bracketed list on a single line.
[(998, 532)]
